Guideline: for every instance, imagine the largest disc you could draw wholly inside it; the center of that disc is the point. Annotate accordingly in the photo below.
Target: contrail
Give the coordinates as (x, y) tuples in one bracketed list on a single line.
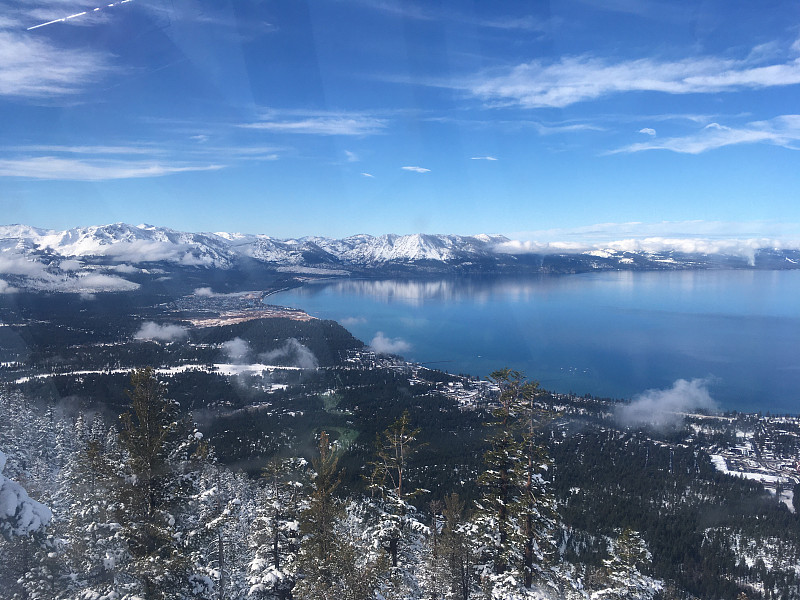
[(80, 14)]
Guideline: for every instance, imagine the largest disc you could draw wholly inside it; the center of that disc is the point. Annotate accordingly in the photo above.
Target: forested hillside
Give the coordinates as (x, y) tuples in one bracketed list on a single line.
[(404, 499)]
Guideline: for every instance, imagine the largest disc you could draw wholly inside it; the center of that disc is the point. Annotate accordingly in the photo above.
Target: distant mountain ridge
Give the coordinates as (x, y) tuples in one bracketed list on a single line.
[(40, 254)]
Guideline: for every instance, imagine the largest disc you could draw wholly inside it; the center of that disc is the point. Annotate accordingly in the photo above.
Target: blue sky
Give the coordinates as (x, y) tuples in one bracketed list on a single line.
[(563, 121)]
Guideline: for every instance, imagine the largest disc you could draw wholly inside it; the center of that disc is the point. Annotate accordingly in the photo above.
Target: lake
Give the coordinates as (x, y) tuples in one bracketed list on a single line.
[(608, 334)]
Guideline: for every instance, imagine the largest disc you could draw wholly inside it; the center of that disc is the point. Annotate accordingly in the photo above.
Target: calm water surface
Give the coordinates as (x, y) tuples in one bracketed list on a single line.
[(610, 334)]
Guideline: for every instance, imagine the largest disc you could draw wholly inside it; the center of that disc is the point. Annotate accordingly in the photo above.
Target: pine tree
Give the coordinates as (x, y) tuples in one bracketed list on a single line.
[(629, 555), (277, 529), (93, 552), (498, 482), (395, 527), (515, 515), (456, 549), (334, 565), (158, 444), (536, 510)]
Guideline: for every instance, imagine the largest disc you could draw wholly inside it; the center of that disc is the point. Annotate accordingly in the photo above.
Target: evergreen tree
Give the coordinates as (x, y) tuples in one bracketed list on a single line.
[(537, 511), (456, 549), (158, 482), (515, 516), (628, 557), (334, 565), (276, 530), (93, 552)]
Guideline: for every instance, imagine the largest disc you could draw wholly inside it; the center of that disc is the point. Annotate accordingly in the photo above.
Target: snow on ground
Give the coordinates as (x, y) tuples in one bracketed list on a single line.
[(221, 368), (786, 494)]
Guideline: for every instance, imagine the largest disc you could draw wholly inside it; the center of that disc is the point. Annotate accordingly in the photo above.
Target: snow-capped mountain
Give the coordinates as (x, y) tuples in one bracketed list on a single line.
[(98, 258), (369, 251), (122, 243)]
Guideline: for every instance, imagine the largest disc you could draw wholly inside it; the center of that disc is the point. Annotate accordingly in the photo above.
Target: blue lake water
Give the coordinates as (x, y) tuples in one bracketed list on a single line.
[(608, 334)]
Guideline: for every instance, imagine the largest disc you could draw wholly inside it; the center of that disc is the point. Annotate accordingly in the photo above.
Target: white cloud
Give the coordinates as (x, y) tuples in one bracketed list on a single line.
[(370, 175), (70, 265), (147, 150), (50, 167), (492, 158), (204, 292), (352, 321), (16, 264), (92, 283), (148, 251), (32, 67), (589, 236), (293, 353), (647, 131), (664, 408), (236, 349), (742, 239), (780, 131), (165, 333), (123, 268), (416, 169), (5, 288), (328, 124), (351, 156), (573, 79), (386, 345)]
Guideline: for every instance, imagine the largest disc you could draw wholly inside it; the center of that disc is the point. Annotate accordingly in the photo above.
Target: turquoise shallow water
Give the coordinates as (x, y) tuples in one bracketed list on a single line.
[(610, 334)]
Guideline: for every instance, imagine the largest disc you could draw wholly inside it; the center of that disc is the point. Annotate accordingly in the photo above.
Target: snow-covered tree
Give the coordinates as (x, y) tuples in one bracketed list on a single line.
[(91, 550), (158, 482), (335, 563), (275, 536), (394, 524), (515, 513), (629, 555), (20, 515)]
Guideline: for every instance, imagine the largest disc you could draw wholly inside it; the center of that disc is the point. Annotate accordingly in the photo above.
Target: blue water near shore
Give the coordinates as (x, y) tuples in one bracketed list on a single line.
[(607, 334)]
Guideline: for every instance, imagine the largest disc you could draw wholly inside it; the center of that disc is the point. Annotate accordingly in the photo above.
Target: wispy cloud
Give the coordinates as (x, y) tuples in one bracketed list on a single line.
[(237, 349), (573, 79), (428, 12), (321, 123), (121, 150), (5, 288), (51, 167), (291, 353), (780, 131), (351, 156), (370, 175), (647, 131), (490, 158), (416, 169), (31, 67), (602, 233)]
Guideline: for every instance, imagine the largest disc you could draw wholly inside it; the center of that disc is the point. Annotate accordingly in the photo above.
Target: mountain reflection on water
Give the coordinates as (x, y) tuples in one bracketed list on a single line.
[(614, 334)]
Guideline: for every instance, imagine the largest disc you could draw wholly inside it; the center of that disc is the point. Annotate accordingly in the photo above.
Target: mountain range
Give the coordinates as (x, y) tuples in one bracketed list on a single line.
[(98, 258)]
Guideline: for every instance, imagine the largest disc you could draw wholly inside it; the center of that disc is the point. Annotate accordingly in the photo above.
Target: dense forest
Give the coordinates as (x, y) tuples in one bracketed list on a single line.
[(523, 501)]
